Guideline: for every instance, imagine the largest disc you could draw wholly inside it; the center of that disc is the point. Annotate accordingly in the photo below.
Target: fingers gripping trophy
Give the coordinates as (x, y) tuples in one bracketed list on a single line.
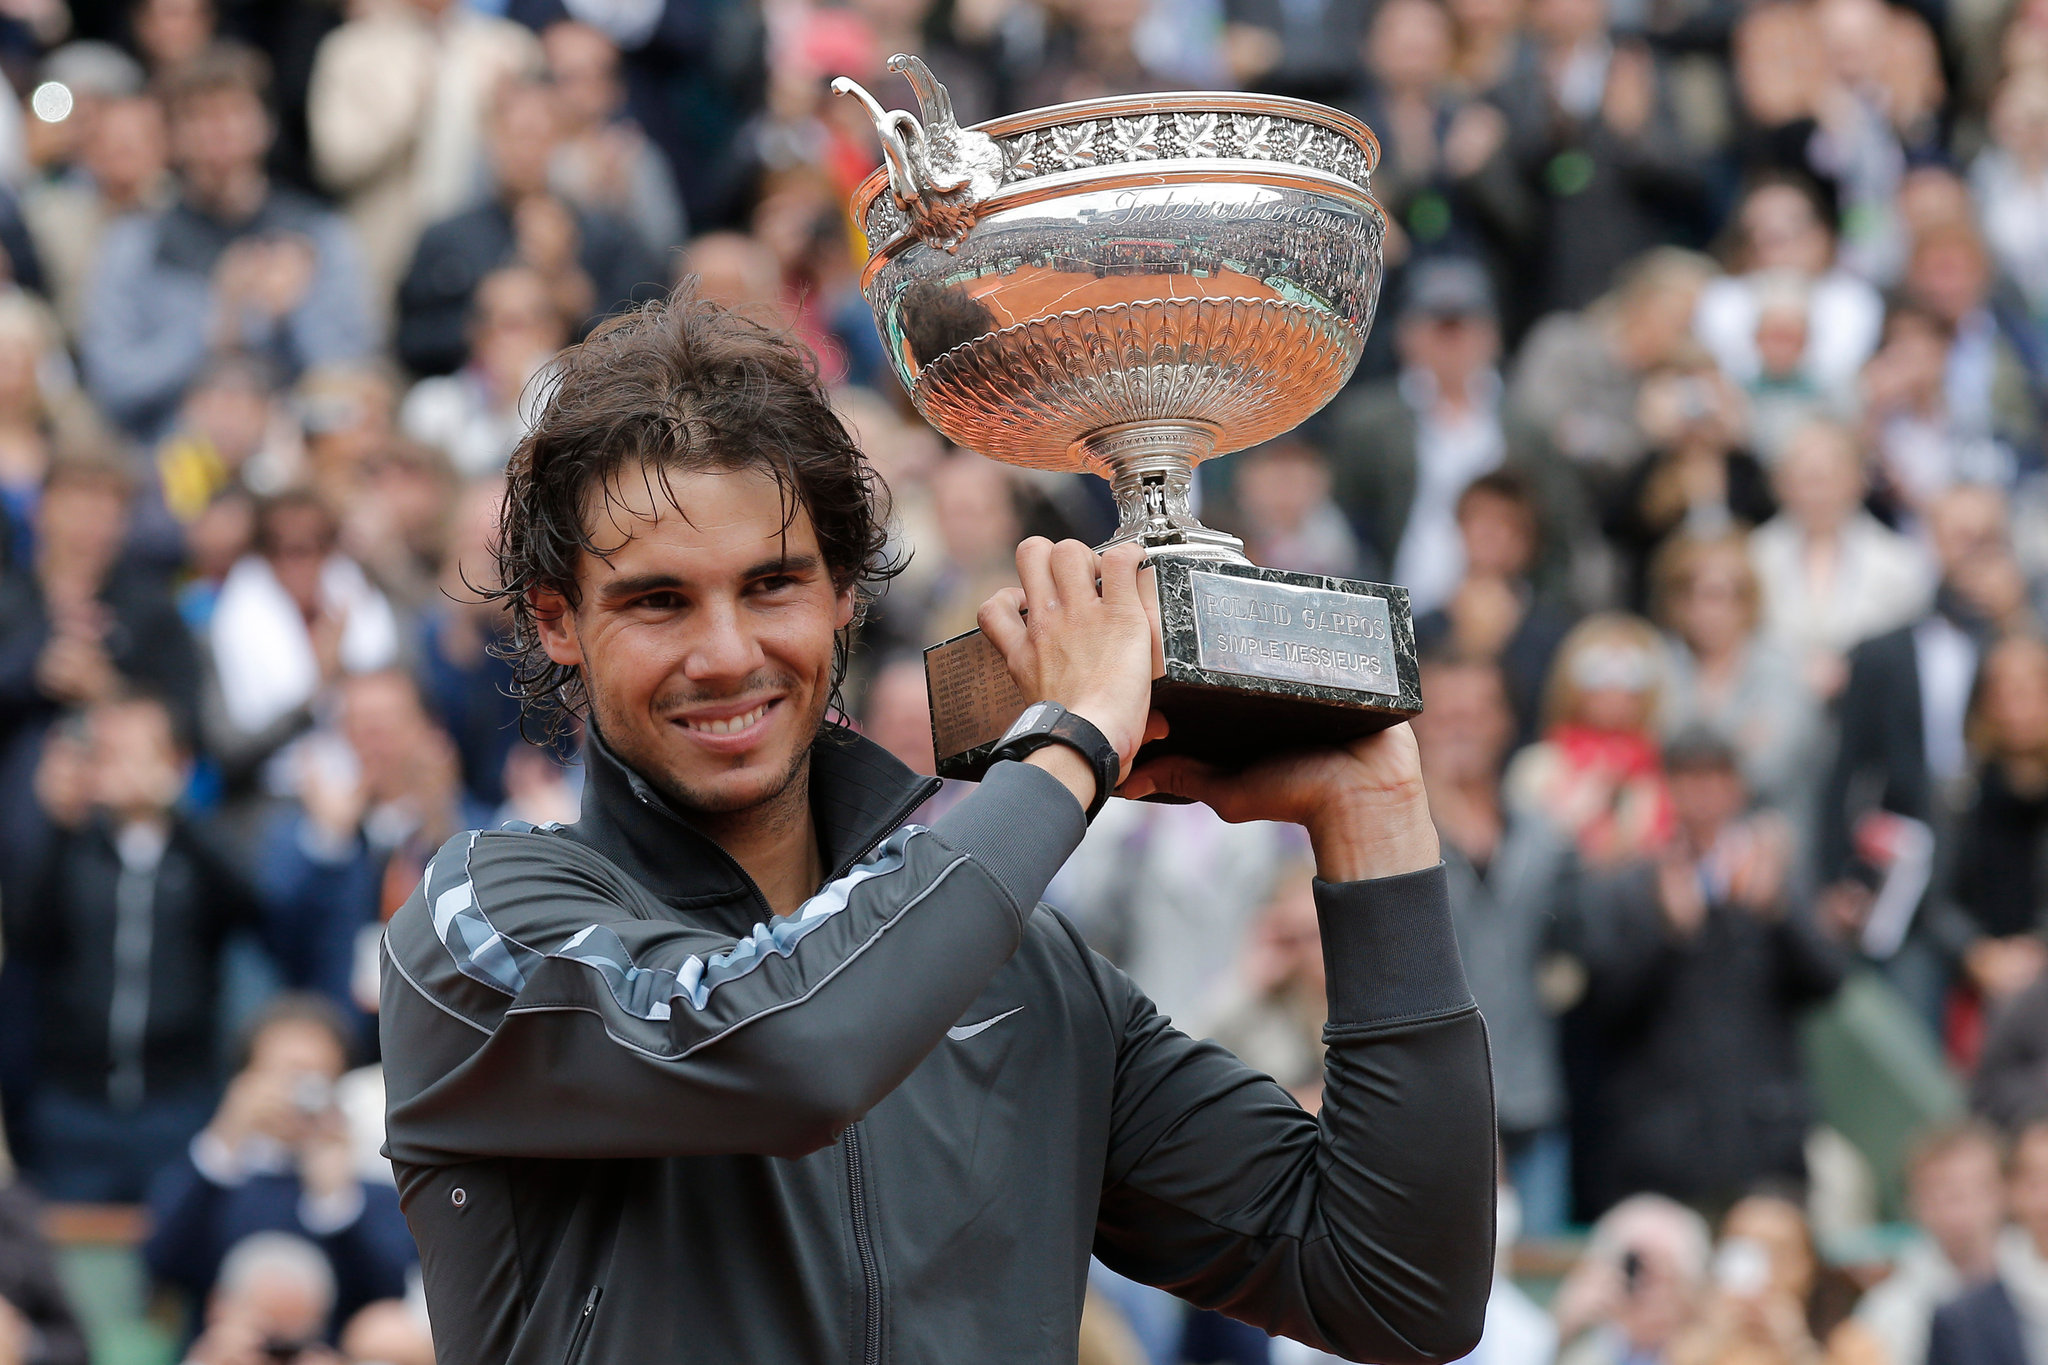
[(1130, 286)]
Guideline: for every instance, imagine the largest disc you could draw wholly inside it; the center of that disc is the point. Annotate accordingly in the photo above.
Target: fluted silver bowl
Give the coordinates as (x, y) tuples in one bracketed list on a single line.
[(1126, 286)]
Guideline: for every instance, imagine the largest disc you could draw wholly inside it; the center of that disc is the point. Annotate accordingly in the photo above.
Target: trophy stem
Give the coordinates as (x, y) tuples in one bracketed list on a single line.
[(1151, 468)]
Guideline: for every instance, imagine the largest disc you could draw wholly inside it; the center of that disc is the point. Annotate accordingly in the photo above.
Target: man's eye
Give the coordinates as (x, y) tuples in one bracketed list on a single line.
[(774, 583), (660, 601)]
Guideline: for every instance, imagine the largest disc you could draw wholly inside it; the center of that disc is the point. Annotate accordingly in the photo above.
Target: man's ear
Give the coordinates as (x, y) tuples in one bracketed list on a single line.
[(848, 598), (555, 623)]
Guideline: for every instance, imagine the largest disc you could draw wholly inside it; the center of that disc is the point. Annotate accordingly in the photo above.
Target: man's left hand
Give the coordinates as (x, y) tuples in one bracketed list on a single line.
[(1362, 804)]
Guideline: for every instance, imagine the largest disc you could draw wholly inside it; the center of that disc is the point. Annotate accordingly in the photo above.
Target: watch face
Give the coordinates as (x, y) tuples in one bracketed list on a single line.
[(1024, 724)]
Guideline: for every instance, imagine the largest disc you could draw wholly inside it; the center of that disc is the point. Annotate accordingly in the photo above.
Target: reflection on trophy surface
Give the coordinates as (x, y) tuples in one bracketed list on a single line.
[(1130, 286)]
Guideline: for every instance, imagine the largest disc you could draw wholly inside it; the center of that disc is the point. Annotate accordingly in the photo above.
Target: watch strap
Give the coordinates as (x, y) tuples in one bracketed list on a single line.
[(1047, 722)]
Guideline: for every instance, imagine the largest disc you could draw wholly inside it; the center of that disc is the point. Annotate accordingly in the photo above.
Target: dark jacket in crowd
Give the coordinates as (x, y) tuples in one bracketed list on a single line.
[(119, 1026), (636, 1117), (195, 1222), (1882, 755), (2010, 1087), (28, 1281), (456, 253), (1702, 1092), (1981, 1327)]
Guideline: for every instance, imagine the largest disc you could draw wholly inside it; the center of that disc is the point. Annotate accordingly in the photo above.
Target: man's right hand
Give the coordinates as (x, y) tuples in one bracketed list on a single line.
[(1083, 631)]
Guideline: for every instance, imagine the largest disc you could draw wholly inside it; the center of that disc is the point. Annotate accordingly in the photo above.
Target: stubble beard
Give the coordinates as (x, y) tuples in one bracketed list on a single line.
[(711, 806)]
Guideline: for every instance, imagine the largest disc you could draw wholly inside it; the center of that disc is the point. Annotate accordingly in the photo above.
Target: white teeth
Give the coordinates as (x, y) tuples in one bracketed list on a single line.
[(731, 726)]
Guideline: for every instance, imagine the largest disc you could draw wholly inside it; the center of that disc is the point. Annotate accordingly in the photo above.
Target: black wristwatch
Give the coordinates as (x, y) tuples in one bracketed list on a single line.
[(1047, 722)]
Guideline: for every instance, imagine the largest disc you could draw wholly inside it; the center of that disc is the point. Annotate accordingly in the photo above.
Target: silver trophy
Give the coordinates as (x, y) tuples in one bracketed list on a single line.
[(1130, 286)]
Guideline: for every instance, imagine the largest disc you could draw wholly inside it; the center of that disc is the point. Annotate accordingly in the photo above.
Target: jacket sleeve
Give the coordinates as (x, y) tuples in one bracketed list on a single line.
[(1368, 1230), (531, 1007)]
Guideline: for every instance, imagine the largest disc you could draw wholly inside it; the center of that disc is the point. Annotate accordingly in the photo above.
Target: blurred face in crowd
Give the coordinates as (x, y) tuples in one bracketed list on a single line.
[(977, 511), (1453, 348), (297, 539), (1779, 1228), (1660, 1273), (273, 1305), (1564, 22), (80, 524), (1287, 944), (2028, 1187), (2014, 701), (1958, 1199), (137, 767), (1714, 607), (1499, 534), (705, 641), (1410, 47), (387, 730), (1612, 679), (1654, 317), (524, 127), (585, 67), (1949, 273), (387, 1332), (1972, 539), (1820, 479), (1854, 36), (898, 714), (1783, 232), (737, 272), (232, 411), (1707, 798), (1279, 487), (2019, 119), (1778, 69), (1465, 731), (170, 32), (298, 1047), (1781, 333), (126, 150), (218, 137), (515, 328)]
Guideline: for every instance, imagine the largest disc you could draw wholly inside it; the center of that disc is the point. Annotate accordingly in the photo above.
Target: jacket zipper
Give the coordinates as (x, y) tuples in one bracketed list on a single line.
[(582, 1332), (864, 1248)]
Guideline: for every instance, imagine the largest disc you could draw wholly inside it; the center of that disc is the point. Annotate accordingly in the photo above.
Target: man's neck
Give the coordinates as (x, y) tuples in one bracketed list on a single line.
[(233, 198), (776, 844)]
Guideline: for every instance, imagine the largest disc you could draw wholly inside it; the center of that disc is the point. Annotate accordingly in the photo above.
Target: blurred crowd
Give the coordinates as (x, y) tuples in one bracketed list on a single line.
[(1703, 421)]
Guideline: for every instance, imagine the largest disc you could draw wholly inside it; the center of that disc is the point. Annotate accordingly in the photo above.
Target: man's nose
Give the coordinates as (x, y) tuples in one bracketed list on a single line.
[(722, 646)]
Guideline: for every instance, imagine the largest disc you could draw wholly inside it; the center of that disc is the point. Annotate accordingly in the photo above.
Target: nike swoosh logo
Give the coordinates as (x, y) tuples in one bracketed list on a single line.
[(960, 1033)]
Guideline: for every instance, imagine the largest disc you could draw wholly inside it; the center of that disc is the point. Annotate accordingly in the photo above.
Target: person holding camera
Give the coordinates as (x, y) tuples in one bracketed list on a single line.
[(276, 1157)]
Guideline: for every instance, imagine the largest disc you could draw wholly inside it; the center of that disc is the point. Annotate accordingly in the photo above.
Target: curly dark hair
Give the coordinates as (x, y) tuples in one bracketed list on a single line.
[(677, 385)]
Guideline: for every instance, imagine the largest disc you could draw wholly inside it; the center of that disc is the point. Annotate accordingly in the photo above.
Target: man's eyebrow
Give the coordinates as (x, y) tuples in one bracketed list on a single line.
[(632, 585)]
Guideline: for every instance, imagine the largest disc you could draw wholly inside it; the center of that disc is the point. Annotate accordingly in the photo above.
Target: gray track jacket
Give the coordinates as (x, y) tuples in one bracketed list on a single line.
[(636, 1118)]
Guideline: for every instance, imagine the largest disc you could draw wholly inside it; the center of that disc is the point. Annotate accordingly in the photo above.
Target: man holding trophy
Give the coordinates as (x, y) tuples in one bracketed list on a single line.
[(739, 1067)]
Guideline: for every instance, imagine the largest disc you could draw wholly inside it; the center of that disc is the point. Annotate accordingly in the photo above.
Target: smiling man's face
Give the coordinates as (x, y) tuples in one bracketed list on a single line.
[(705, 642)]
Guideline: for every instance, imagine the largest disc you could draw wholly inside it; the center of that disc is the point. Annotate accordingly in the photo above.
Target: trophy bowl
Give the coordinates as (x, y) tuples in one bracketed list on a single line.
[(1128, 287)]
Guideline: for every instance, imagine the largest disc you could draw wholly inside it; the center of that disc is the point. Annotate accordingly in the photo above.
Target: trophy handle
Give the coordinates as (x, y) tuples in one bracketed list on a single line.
[(939, 172)]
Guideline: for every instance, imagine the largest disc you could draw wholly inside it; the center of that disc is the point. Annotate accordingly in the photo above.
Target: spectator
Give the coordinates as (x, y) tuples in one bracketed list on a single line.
[(291, 619), (1904, 736), (479, 414), (37, 1326), (43, 418), (1780, 229), (397, 111), (376, 797), (2009, 181), (466, 684), (1723, 676), (80, 629), (1784, 394), (171, 34), (1955, 1190), (1597, 147), (1996, 1322), (1698, 963), (236, 263), (1698, 478), (1496, 612), (1577, 374), (1281, 492), (228, 440), (122, 169), (2000, 879), (1773, 1300), (1996, 362), (1923, 447), (124, 920), (592, 262), (979, 522), (1833, 575), (1273, 1015), (1595, 772), (271, 1304), (605, 161), (1510, 873), (1637, 1286), (1403, 450), (275, 1158)]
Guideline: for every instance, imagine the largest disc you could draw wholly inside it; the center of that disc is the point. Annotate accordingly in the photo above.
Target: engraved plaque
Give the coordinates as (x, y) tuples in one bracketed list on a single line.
[(1294, 633), (973, 697)]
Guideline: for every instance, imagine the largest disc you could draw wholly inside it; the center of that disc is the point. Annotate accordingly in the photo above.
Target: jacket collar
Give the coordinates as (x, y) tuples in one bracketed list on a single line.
[(860, 794)]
